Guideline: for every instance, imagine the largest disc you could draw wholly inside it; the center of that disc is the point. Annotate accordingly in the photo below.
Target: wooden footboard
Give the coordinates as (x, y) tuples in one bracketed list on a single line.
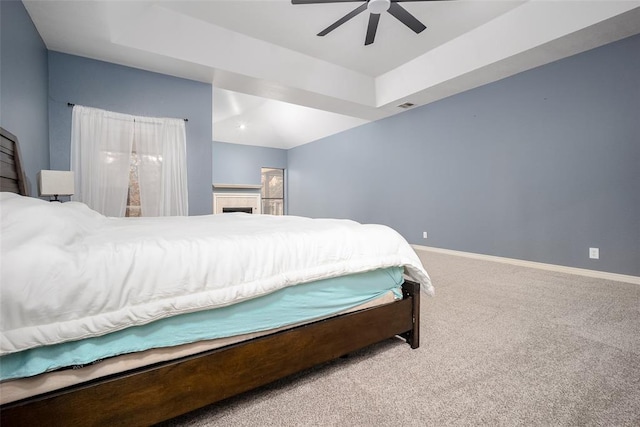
[(163, 391)]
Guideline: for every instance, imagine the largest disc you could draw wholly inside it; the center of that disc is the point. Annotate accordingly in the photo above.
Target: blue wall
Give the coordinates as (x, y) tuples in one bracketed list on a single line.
[(23, 87), (539, 166), (127, 90), (240, 164)]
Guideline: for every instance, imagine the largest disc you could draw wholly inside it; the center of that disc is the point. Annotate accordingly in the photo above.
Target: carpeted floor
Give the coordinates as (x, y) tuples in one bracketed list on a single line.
[(500, 345)]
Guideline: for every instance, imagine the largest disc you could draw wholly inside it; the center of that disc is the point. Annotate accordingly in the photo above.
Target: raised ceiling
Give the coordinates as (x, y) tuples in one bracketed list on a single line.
[(277, 84)]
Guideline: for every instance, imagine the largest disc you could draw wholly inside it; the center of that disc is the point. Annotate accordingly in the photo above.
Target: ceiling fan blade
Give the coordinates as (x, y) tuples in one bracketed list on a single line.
[(344, 19), (406, 1), (406, 18), (374, 18), (321, 1)]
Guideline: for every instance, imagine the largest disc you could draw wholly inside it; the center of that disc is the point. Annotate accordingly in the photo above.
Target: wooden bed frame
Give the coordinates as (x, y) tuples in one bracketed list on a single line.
[(12, 177), (163, 391)]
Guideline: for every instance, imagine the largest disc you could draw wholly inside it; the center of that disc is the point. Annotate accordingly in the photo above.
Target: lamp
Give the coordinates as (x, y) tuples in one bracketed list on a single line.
[(55, 183)]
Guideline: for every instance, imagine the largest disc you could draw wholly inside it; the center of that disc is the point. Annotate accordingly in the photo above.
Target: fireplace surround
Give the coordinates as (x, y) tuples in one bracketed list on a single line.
[(236, 202)]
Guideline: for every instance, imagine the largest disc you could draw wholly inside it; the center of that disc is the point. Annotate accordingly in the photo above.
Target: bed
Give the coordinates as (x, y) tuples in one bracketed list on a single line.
[(149, 385)]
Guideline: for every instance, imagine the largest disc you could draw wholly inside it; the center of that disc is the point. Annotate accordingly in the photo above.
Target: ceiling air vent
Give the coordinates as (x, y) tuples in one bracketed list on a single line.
[(406, 105)]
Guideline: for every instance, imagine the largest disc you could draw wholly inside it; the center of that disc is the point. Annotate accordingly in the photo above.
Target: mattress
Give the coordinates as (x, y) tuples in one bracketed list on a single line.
[(70, 273), (22, 388), (284, 307)]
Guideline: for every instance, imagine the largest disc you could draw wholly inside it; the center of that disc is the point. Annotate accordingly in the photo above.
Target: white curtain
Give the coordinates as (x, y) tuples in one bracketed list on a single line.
[(162, 174), (100, 151), (101, 147)]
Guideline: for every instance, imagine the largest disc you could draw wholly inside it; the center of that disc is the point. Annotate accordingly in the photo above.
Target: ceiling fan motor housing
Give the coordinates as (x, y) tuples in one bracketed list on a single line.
[(378, 6)]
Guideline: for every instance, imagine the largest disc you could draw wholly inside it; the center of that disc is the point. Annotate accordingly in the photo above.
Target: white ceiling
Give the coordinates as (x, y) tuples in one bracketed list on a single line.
[(277, 84)]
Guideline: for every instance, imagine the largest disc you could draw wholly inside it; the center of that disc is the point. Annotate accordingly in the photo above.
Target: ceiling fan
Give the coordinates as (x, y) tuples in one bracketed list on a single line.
[(375, 8)]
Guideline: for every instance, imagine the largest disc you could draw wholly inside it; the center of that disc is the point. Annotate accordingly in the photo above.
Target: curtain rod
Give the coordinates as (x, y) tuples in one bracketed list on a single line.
[(69, 104)]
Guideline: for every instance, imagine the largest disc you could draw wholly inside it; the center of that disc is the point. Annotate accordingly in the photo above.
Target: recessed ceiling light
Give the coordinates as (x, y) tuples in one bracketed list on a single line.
[(242, 126)]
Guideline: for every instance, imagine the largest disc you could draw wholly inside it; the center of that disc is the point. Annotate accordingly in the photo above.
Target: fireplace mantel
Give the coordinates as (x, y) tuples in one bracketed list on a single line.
[(237, 186)]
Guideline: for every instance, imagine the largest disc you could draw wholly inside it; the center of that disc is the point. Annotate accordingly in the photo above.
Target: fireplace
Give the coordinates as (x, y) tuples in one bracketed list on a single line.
[(224, 202), (248, 210)]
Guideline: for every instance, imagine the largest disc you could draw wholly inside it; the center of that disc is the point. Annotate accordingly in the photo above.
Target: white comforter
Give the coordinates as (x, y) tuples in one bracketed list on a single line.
[(68, 272)]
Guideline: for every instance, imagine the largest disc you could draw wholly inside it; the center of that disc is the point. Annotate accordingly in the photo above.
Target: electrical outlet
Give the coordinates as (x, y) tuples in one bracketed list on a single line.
[(594, 253), (424, 234)]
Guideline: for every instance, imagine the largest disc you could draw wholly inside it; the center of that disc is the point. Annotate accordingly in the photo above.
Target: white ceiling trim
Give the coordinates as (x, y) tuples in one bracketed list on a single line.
[(538, 22), (168, 33), (268, 48)]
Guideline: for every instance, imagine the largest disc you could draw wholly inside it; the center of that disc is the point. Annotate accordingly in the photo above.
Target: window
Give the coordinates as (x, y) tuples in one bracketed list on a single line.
[(133, 196), (272, 191), (129, 165)]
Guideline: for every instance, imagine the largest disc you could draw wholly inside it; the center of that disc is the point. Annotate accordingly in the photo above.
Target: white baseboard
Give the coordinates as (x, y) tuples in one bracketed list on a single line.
[(551, 267)]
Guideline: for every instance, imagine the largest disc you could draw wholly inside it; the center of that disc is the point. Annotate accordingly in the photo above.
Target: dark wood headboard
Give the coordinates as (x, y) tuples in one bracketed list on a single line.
[(12, 177)]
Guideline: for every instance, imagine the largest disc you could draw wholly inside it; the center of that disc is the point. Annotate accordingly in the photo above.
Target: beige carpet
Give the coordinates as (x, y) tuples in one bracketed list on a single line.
[(500, 345)]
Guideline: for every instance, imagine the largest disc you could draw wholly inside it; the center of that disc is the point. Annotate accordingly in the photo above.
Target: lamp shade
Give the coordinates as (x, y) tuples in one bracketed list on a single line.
[(55, 183)]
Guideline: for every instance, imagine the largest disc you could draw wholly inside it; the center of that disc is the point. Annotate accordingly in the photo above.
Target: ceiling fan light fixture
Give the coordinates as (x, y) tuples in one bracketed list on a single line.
[(378, 6)]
